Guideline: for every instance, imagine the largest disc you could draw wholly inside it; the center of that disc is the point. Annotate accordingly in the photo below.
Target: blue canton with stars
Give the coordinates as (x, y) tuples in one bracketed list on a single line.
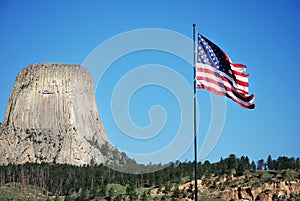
[(211, 54)]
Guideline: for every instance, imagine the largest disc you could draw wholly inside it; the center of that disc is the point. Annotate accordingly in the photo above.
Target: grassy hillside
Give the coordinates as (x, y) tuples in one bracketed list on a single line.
[(15, 191)]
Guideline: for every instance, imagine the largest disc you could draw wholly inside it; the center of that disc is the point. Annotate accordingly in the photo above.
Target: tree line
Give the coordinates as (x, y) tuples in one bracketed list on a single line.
[(65, 180)]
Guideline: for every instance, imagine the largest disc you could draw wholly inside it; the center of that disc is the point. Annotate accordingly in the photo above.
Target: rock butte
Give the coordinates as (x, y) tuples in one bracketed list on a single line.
[(52, 116)]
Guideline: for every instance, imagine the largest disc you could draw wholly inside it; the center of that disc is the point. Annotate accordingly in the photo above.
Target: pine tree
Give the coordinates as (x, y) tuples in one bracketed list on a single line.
[(232, 162), (176, 192), (270, 163), (252, 166), (243, 165), (67, 198), (129, 189), (144, 196), (260, 164), (297, 164), (111, 193)]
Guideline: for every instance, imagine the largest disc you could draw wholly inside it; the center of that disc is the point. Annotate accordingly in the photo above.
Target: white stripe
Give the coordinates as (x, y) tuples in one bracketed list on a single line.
[(212, 85), (239, 69), (241, 78), (223, 90), (236, 85), (219, 80)]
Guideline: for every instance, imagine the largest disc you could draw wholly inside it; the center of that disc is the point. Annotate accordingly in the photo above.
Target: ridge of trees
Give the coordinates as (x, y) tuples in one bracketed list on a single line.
[(66, 180)]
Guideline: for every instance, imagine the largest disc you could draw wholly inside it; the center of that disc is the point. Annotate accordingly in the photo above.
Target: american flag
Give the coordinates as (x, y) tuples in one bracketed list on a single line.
[(215, 72)]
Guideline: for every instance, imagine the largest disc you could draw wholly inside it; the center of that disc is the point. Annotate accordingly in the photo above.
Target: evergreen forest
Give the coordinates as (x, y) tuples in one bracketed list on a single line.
[(93, 181)]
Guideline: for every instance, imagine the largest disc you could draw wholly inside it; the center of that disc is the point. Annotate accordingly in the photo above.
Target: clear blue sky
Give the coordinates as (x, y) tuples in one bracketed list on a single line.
[(264, 35)]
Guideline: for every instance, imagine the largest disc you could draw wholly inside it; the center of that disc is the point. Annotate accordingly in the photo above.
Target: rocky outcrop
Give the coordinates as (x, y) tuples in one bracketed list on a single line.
[(52, 117), (257, 186), (281, 190)]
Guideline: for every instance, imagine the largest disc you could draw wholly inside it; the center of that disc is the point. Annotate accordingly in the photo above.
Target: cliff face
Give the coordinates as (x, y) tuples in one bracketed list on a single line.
[(269, 191), (52, 117), (280, 190), (258, 186)]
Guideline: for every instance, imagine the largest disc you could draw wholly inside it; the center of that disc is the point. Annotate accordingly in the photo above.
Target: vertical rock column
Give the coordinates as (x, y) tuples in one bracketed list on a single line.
[(52, 117)]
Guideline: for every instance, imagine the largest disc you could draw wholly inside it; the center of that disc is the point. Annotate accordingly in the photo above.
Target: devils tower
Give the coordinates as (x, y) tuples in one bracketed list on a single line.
[(52, 116)]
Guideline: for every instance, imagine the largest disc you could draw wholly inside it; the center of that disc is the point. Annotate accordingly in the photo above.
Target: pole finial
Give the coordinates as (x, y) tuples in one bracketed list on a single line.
[(194, 25)]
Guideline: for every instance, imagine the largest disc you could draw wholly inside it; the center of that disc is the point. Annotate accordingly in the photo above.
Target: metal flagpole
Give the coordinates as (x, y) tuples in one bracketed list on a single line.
[(195, 115)]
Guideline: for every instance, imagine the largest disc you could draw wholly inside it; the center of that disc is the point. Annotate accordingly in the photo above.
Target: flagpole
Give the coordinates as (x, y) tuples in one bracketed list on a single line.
[(195, 115)]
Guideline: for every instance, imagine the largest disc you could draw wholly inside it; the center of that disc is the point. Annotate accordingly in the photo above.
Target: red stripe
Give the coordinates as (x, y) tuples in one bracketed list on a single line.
[(243, 97), (237, 94), (239, 73), (251, 106), (211, 81), (245, 84), (202, 86), (238, 65), (221, 84), (205, 70), (238, 81)]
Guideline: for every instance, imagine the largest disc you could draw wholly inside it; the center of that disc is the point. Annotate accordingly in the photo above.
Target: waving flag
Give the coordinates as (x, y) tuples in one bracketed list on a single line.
[(216, 73)]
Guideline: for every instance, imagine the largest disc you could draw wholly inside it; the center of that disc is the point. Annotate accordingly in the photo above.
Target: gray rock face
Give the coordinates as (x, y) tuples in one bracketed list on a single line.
[(52, 117)]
